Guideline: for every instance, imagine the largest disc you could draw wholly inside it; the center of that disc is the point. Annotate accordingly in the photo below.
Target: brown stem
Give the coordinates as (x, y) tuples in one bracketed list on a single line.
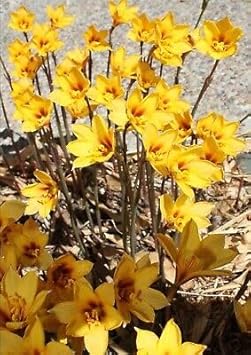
[(97, 209), (204, 87), (7, 74), (109, 51)]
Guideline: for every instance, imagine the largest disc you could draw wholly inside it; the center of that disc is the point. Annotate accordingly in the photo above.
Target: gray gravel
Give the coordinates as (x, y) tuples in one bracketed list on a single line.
[(228, 93)]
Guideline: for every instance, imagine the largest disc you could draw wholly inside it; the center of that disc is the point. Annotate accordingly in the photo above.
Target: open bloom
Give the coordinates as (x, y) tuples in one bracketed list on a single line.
[(91, 314), (184, 164), (26, 66), (21, 19), (19, 300), (72, 86), (196, 257), (106, 90), (57, 16), (178, 213), (223, 131), (96, 40), (30, 246), (93, 145), (146, 76), (142, 29), (132, 289), (22, 92), (122, 65), (43, 195), (33, 342), (18, 48), (243, 315), (218, 39), (211, 151), (63, 273), (170, 342), (45, 39), (121, 12)]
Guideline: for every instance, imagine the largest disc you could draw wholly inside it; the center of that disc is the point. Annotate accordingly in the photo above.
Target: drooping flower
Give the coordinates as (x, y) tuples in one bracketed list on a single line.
[(63, 273), (30, 246), (21, 20), (133, 294), (184, 164), (158, 146), (243, 315), (106, 90), (93, 145), (43, 195), (121, 12), (33, 342), (142, 29), (72, 86), (45, 39), (19, 300), (218, 39), (91, 314), (223, 131), (57, 17), (196, 257), (170, 342), (122, 65), (146, 76), (178, 213), (96, 40)]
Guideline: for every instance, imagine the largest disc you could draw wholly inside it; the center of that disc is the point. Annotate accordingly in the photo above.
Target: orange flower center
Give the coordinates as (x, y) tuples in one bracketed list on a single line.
[(62, 276), (125, 290), (17, 308), (32, 250), (94, 312)]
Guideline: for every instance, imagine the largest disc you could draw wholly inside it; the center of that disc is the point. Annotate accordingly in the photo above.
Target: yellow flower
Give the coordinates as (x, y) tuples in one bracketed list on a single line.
[(211, 151), (243, 315), (72, 87), (36, 114), (78, 57), (45, 39), (10, 211), (171, 41), (169, 98), (19, 300), (182, 122), (27, 66), (122, 65), (79, 108), (93, 145), (43, 195), (17, 48), (179, 213), (139, 111), (142, 29), (157, 146), (91, 314), (96, 40), (121, 12), (106, 90), (146, 76), (184, 164), (63, 273), (8, 259), (22, 92), (196, 257), (224, 132), (21, 20), (30, 246), (219, 38), (33, 342), (132, 292), (57, 16), (170, 342)]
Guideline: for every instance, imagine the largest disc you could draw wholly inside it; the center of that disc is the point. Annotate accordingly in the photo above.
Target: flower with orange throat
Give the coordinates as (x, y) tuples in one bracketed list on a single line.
[(57, 17), (122, 65), (19, 299), (33, 342), (133, 293), (121, 12), (218, 39), (43, 195), (45, 39), (18, 48), (170, 342), (21, 20), (93, 145), (142, 29), (96, 40), (194, 256), (146, 76), (30, 246), (26, 66), (90, 315)]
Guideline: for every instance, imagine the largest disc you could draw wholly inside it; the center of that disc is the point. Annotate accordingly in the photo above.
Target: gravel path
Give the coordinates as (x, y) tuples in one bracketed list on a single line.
[(228, 93)]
